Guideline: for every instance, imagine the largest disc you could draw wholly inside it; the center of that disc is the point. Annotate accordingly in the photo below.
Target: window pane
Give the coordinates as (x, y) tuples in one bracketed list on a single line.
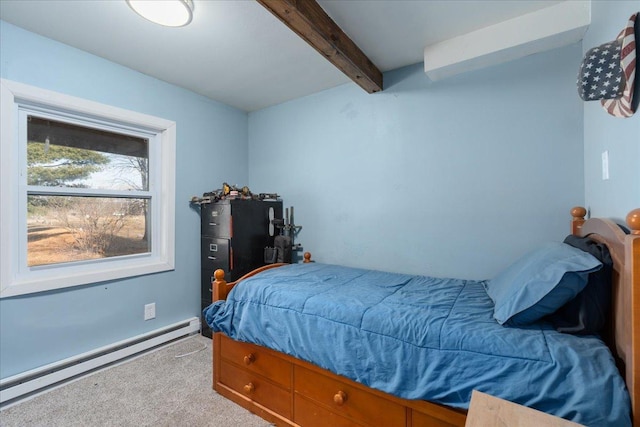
[(61, 154), (71, 228)]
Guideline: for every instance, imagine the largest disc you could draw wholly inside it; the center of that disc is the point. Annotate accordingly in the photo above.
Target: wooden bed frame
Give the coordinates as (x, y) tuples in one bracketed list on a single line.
[(290, 392)]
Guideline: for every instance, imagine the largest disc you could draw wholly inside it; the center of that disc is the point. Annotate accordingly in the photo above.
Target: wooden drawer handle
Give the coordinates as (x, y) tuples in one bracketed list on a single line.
[(249, 388), (249, 359), (339, 398)]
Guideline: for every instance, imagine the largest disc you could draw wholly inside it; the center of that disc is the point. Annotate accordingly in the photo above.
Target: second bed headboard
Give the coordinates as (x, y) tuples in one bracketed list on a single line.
[(625, 311)]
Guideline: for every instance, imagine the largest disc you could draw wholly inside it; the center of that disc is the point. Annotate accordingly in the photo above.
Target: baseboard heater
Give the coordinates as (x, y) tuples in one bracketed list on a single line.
[(35, 380)]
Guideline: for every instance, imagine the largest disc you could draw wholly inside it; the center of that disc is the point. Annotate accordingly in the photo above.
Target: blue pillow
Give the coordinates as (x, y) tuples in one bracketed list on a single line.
[(539, 283)]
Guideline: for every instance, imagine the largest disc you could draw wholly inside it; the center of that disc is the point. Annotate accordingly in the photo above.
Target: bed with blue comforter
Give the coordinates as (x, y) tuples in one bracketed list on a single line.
[(425, 338)]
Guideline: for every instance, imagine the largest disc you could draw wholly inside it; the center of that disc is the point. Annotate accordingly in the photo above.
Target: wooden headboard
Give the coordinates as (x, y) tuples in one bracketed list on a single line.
[(625, 319), (221, 288)]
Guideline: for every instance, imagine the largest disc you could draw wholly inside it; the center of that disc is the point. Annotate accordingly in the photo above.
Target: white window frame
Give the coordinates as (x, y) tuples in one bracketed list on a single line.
[(16, 278)]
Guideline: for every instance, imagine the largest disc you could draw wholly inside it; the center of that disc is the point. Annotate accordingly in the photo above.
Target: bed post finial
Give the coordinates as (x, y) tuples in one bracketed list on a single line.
[(578, 213), (633, 221), (219, 285)]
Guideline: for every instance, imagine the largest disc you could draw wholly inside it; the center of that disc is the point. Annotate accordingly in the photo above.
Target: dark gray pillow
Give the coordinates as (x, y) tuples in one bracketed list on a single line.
[(588, 312)]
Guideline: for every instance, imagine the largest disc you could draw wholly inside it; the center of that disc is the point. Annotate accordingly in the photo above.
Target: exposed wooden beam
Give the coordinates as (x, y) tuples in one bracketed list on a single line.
[(307, 19)]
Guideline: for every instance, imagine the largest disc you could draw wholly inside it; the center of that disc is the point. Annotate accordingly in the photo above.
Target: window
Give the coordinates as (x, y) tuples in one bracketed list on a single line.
[(87, 191)]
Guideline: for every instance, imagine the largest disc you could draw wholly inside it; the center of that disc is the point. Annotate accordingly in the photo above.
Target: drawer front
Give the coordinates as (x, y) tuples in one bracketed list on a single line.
[(310, 414), (257, 360), (418, 419), (216, 220), (256, 388), (348, 401), (214, 253)]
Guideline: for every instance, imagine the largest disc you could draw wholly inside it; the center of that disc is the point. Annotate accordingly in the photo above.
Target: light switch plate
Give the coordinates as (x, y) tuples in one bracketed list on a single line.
[(605, 165)]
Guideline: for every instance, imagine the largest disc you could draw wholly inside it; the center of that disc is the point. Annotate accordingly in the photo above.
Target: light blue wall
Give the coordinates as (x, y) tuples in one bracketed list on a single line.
[(615, 197), (450, 178), (211, 148)]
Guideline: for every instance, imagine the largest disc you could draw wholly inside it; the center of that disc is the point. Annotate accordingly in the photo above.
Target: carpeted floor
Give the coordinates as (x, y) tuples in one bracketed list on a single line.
[(167, 387)]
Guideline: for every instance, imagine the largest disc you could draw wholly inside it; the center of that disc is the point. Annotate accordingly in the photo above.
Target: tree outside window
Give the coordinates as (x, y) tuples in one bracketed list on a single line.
[(85, 225)]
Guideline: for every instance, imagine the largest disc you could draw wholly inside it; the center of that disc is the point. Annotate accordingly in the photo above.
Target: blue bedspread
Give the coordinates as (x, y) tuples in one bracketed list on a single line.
[(422, 338)]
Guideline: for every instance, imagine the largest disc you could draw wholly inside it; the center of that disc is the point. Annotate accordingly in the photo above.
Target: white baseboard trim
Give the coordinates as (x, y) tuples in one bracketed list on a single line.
[(36, 379)]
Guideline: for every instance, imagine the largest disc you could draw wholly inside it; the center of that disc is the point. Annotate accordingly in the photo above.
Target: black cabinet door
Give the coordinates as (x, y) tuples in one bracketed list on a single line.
[(250, 234), (216, 219), (215, 253)]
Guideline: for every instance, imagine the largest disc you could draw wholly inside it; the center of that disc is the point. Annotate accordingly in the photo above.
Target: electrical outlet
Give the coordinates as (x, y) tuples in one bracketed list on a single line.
[(150, 311)]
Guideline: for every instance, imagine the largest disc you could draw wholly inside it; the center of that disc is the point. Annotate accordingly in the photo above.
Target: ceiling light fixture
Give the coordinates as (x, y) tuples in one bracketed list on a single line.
[(170, 13)]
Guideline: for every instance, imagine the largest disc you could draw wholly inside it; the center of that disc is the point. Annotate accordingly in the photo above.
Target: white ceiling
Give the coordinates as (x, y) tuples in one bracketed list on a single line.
[(236, 52)]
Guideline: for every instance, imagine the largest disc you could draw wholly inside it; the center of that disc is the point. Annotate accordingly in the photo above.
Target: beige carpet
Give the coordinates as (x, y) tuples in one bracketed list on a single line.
[(167, 387)]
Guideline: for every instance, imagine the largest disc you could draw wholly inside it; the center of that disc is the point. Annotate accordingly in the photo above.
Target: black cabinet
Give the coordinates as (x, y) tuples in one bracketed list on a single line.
[(234, 233)]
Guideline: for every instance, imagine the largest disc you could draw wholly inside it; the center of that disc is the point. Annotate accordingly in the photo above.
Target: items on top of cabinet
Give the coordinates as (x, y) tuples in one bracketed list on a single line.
[(230, 192)]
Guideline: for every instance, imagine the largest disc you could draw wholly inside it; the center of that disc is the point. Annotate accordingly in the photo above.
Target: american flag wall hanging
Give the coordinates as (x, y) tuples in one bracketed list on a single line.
[(608, 72)]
